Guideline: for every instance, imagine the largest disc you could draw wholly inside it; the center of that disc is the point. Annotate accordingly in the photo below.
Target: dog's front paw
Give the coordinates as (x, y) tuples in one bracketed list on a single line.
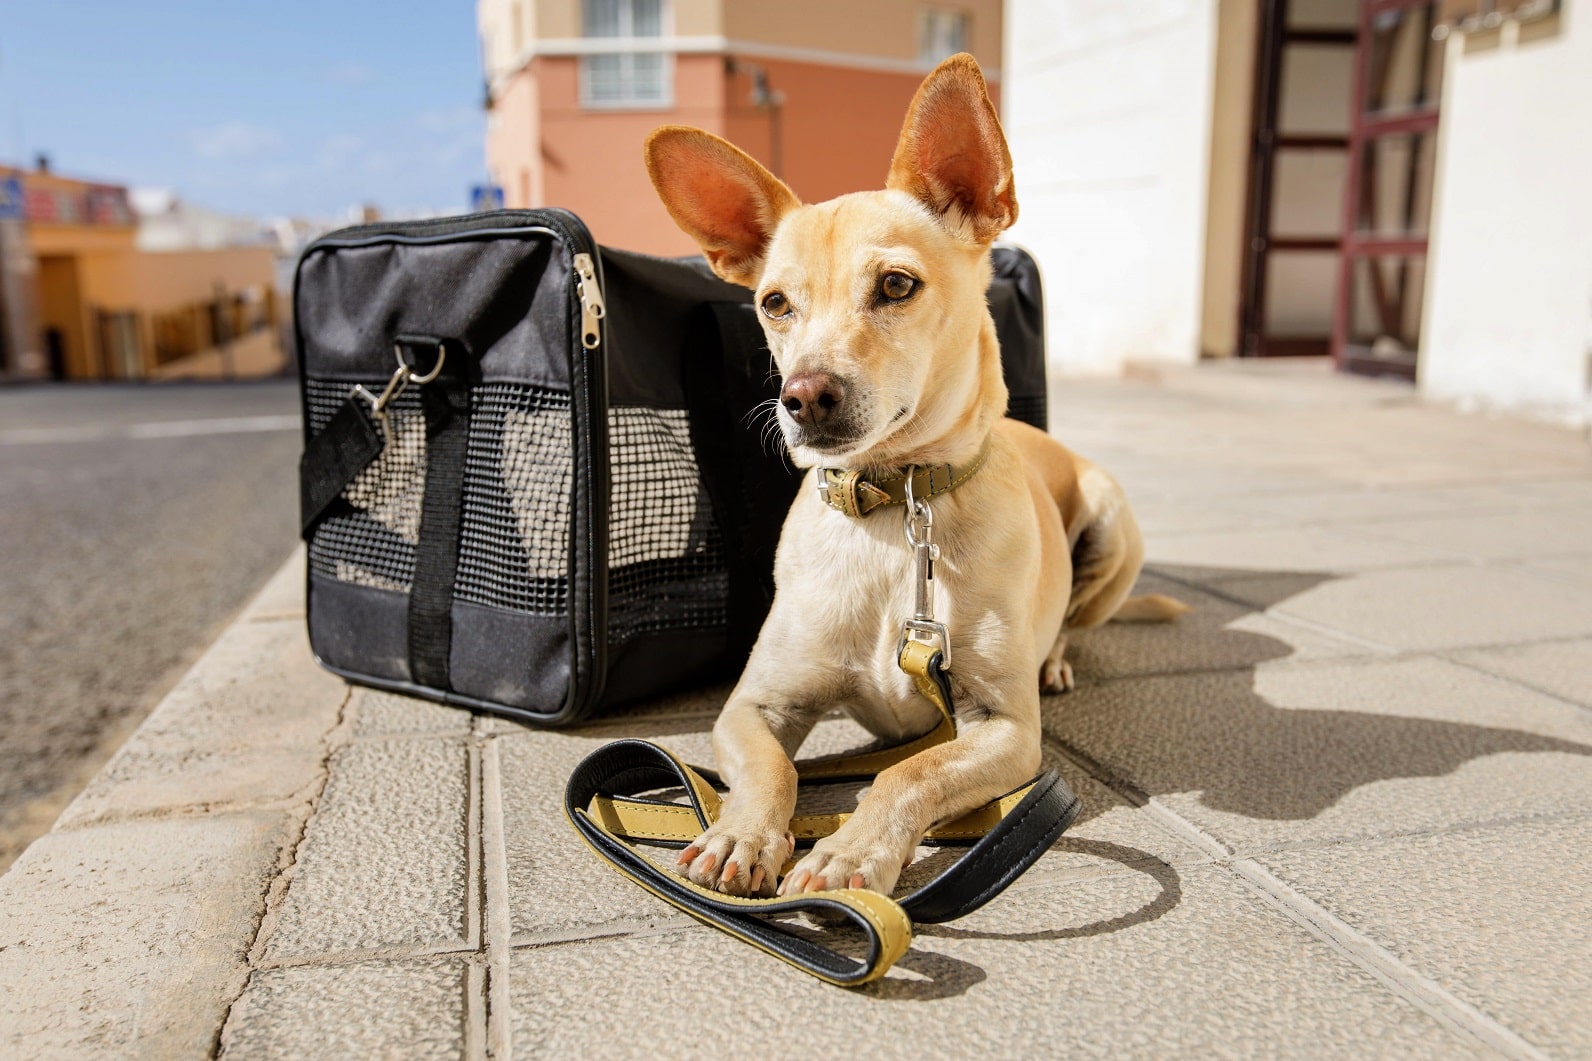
[(736, 861), (833, 865)]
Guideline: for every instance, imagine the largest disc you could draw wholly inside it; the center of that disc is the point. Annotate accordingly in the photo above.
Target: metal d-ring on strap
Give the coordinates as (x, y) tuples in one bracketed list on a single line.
[(397, 384), (919, 523)]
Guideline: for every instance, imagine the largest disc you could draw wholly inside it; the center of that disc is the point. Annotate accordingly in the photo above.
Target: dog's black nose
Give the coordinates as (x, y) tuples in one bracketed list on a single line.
[(813, 398)]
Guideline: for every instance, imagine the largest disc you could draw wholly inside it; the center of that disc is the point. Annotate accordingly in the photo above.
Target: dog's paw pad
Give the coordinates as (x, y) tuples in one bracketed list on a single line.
[(823, 870), (1055, 677), (735, 862)]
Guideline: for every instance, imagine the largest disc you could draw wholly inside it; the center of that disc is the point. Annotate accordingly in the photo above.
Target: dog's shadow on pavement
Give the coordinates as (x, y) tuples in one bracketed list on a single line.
[(1169, 710), (1188, 716), (1173, 710)]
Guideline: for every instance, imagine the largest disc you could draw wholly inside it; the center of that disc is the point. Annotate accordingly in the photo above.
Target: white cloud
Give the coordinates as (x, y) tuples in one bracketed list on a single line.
[(338, 151), (353, 75), (234, 140)]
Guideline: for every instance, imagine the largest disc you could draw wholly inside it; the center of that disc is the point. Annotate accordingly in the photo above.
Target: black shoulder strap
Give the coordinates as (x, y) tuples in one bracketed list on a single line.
[(348, 444), (446, 403), (333, 458)]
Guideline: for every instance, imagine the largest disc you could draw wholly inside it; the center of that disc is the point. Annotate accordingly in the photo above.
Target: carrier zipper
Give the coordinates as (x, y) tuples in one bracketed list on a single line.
[(592, 308)]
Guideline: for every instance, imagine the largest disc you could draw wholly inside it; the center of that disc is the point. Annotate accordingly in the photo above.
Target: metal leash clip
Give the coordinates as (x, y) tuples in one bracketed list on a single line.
[(920, 533), (401, 378)]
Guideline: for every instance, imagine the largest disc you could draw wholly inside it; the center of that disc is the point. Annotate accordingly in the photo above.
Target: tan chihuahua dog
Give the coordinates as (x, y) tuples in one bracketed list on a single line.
[(875, 312)]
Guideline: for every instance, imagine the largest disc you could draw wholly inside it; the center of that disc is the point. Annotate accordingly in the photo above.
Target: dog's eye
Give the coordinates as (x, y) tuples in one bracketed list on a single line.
[(775, 305), (897, 286)]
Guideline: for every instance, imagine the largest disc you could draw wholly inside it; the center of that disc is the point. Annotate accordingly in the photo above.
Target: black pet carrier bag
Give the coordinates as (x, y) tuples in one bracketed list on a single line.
[(533, 481)]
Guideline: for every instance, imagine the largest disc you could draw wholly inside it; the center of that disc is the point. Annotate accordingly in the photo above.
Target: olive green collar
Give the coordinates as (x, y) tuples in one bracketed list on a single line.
[(856, 494)]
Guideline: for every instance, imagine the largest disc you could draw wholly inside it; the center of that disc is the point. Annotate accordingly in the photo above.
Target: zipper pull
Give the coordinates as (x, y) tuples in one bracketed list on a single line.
[(592, 308)]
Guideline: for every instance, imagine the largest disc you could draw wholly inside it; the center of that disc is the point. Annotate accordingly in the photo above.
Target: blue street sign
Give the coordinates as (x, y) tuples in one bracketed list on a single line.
[(11, 199), (486, 197)]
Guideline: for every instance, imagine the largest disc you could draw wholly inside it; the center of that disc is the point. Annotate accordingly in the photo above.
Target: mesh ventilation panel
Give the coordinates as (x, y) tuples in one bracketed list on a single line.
[(666, 555), (1028, 408), (371, 541), (514, 535)]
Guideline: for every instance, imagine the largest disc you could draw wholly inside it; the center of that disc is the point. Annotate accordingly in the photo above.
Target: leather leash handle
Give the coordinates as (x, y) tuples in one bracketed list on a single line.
[(1015, 842), (1003, 855), (629, 766)]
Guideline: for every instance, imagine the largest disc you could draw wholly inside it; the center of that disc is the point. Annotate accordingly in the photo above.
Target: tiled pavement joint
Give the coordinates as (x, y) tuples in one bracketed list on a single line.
[(334, 739), (652, 926), (1459, 1017), (1456, 657), (475, 894), (498, 926), (475, 1037)]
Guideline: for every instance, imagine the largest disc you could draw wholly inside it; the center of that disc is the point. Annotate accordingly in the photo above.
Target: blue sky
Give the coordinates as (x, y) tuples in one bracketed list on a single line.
[(268, 107)]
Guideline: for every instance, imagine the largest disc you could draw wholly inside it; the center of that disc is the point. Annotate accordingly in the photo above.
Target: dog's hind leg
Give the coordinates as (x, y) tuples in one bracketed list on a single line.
[(1055, 674)]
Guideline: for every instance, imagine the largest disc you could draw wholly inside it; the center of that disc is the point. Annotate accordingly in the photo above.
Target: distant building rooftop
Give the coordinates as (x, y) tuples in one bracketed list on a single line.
[(168, 223)]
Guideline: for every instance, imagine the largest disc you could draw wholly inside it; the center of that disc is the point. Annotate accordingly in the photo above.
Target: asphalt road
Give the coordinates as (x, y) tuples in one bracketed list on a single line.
[(134, 522)]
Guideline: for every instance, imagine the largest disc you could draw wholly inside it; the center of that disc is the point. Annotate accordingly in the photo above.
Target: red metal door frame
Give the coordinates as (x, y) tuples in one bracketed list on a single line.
[(1359, 243), (1273, 37)]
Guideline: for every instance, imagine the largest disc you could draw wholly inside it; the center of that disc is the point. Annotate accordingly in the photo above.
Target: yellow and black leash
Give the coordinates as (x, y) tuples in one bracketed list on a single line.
[(604, 802)]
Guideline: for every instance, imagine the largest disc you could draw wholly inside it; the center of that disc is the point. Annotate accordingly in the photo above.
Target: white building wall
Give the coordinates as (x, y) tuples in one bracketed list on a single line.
[(1107, 105), (1509, 303)]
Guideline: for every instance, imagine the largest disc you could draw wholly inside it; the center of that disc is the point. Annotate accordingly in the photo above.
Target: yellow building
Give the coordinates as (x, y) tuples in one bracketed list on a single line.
[(81, 300)]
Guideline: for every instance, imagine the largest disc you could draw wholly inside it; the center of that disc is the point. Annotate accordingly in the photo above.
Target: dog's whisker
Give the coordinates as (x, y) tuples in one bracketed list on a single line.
[(767, 405)]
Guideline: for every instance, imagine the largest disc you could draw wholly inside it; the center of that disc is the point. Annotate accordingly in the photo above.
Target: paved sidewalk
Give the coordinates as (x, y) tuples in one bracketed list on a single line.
[(1342, 808)]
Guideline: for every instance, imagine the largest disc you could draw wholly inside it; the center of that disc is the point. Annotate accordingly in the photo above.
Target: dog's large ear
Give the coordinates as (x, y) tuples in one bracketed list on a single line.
[(720, 196), (952, 154)]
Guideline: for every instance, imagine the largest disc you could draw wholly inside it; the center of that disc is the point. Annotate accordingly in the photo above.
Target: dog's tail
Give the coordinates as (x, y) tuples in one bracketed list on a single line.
[(1151, 608)]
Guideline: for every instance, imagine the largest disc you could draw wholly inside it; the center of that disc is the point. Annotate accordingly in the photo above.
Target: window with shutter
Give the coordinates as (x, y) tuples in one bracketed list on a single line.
[(628, 75)]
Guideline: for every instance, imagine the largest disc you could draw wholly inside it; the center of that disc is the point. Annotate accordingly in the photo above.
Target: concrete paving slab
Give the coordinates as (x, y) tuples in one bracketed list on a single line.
[(130, 939), (385, 860), (706, 701), (1160, 515), (1325, 752), (283, 596), (1497, 916), (1145, 963), (1218, 634), (380, 714), (1575, 490), (555, 883), (1574, 570), (1362, 505), (409, 1009), (1165, 481), (1291, 716), (246, 725), (1422, 609), (1328, 551), (1563, 668), (1492, 535)]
